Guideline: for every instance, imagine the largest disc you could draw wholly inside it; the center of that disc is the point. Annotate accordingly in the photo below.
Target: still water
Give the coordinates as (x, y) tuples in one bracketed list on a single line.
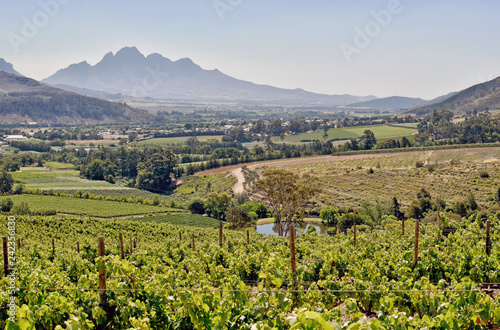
[(272, 229)]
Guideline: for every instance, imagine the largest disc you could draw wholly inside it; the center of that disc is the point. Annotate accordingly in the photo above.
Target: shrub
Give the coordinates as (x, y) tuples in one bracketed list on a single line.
[(484, 174), (140, 199), (329, 214), (21, 209), (197, 206), (85, 195), (239, 218), (18, 189), (419, 164), (156, 201), (6, 205)]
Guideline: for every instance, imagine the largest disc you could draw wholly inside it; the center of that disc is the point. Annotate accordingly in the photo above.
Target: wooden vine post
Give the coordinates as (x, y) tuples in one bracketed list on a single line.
[(415, 254), (336, 229), (403, 227), (121, 246), (131, 246), (102, 271), (248, 237), (192, 241), (78, 246), (488, 242), (5, 257), (220, 233), (292, 250), (354, 242), (53, 246), (180, 236), (18, 244)]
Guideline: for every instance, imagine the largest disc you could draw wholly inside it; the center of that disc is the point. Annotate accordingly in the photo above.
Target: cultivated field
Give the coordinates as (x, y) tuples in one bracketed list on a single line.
[(171, 140), (70, 181), (90, 207), (380, 132)]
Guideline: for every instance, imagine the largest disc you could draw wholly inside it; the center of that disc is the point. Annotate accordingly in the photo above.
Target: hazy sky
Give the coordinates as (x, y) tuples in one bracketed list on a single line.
[(418, 48)]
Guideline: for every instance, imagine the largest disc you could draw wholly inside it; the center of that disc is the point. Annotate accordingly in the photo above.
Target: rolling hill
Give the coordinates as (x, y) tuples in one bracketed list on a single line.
[(388, 103), (24, 99)]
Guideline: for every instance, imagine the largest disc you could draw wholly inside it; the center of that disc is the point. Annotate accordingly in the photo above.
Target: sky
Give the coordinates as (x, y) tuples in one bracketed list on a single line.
[(379, 47)]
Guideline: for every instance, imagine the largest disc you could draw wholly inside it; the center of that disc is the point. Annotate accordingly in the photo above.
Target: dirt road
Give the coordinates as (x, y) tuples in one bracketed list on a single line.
[(238, 187)]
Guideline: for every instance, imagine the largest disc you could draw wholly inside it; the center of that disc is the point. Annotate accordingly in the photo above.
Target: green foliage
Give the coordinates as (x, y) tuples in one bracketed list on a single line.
[(21, 208), (347, 220), (6, 182), (239, 218), (329, 214), (197, 206), (97, 208), (259, 208), (216, 205), (6, 205), (154, 174)]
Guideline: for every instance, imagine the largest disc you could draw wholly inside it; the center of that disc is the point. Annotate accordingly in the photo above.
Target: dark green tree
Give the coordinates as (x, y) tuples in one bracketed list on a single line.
[(154, 174), (6, 182)]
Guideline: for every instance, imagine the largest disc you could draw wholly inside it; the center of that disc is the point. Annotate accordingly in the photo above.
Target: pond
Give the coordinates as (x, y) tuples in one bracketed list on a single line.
[(272, 228)]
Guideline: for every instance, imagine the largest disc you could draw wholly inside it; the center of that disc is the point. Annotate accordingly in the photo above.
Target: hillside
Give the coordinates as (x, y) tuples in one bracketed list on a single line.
[(129, 72), (24, 99), (480, 97), (388, 103)]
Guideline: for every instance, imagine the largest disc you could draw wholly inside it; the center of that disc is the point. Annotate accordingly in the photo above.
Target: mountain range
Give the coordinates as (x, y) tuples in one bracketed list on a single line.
[(129, 72), (23, 99)]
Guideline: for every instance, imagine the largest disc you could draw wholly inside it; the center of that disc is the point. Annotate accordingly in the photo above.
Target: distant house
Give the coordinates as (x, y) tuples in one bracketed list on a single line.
[(15, 138)]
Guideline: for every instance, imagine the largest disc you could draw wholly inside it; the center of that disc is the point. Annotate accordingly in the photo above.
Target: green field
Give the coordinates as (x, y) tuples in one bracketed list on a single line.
[(180, 139), (380, 132), (95, 208), (70, 181), (193, 220)]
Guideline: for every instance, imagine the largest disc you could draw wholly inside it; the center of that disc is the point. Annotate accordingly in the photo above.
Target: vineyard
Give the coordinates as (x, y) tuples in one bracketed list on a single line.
[(182, 277), (90, 207)]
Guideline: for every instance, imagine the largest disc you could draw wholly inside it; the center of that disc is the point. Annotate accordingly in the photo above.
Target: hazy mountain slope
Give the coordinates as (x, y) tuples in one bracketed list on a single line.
[(23, 99), (388, 103), (480, 97), (130, 73), (7, 67)]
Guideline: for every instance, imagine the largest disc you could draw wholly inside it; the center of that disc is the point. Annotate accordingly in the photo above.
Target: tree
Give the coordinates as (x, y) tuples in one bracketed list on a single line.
[(197, 207), (239, 218), (471, 202), (497, 195), (216, 205), (6, 182), (369, 139), (395, 209), (329, 214), (154, 173), (286, 193)]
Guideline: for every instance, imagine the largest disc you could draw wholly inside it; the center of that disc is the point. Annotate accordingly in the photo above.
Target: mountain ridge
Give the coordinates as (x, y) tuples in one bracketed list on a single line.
[(131, 73)]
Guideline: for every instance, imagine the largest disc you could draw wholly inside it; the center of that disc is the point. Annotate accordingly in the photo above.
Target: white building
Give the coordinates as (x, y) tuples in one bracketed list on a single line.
[(15, 138)]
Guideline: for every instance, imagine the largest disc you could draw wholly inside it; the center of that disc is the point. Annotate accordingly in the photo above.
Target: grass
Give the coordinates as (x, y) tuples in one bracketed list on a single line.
[(346, 183), (56, 165), (95, 208), (193, 220), (171, 140), (70, 181), (380, 132)]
